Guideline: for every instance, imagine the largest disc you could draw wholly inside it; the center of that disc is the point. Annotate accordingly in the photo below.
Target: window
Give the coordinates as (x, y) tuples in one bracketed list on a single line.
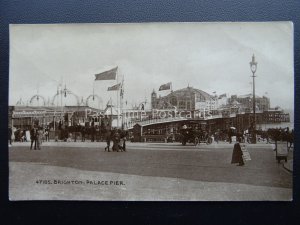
[(188, 105), (181, 104), (199, 98)]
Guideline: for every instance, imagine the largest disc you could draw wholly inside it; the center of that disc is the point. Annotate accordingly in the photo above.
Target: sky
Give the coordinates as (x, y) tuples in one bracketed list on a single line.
[(213, 57)]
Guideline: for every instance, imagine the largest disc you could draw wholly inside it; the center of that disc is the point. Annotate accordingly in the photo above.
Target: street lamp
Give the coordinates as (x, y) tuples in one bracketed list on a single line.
[(253, 67)]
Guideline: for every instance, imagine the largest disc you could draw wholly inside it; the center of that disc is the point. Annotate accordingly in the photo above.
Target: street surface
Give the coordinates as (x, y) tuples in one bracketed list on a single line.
[(146, 171)]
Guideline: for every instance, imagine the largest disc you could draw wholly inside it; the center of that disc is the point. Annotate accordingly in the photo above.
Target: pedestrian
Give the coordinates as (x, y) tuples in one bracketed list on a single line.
[(292, 138), (24, 135), (230, 135), (21, 136), (83, 130), (122, 146), (237, 154), (39, 138), (13, 137), (47, 134), (92, 132), (216, 137), (9, 135), (33, 136), (240, 137), (116, 141), (108, 139)]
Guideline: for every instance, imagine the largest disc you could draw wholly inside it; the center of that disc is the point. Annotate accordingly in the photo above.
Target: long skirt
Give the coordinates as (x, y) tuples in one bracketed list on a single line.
[(237, 154)]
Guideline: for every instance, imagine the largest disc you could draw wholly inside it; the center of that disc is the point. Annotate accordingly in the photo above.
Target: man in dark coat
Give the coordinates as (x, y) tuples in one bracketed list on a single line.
[(237, 154), (33, 137), (108, 139)]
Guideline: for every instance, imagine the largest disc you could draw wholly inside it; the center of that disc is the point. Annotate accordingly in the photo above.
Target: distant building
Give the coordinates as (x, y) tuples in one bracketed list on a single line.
[(26, 116), (222, 101), (246, 102), (188, 98)]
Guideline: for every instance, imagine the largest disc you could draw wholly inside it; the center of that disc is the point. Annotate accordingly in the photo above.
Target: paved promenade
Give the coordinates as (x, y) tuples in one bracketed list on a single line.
[(147, 171)]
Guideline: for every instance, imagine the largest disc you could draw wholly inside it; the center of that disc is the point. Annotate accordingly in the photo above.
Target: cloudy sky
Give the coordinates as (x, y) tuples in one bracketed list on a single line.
[(208, 56)]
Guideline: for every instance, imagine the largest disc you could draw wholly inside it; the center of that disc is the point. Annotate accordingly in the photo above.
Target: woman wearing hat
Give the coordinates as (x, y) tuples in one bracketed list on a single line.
[(237, 154)]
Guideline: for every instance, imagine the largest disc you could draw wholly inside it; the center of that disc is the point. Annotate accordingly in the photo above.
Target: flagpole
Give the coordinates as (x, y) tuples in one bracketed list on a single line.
[(121, 99), (111, 114), (118, 108), (61, 101)]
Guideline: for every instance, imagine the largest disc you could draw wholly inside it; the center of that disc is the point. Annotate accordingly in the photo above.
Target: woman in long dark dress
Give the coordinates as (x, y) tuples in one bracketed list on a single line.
[(237, 154), (39, 138)]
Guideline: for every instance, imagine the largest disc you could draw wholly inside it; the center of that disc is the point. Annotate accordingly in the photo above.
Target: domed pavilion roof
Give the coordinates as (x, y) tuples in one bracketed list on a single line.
[(188, 91)]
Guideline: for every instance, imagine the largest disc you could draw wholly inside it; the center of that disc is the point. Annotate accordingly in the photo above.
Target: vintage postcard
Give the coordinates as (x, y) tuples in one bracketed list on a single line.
[(151, 112)]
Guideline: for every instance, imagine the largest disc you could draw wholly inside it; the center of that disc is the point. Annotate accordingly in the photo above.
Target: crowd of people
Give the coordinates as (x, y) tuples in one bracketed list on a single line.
[(37, 135), (80, 133), (118, 137), (271, 135)]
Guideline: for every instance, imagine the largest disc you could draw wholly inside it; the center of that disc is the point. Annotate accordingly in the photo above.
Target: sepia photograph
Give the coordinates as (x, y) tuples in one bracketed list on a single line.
[(151, 111)]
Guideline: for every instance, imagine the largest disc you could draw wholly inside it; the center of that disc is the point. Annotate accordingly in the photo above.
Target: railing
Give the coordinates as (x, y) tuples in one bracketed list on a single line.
[(159, 120), (174, 119)]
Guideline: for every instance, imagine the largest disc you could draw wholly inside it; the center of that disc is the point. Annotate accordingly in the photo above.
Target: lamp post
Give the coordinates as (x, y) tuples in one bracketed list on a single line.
[(253, 67)]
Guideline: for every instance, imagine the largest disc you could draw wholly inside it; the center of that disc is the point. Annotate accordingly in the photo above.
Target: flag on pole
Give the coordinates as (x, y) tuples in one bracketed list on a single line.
[(116, 87), (166, 86), (107, 75)]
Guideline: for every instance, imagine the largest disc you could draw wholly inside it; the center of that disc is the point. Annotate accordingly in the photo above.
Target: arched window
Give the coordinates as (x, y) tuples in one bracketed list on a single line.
[(188, 105), (181, 104)]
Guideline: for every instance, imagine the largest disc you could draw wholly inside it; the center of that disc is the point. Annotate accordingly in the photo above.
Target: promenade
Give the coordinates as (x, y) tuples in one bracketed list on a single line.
[(146, 171)]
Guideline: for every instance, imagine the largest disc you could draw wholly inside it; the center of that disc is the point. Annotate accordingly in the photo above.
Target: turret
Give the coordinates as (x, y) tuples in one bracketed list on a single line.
[(153, 99)]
